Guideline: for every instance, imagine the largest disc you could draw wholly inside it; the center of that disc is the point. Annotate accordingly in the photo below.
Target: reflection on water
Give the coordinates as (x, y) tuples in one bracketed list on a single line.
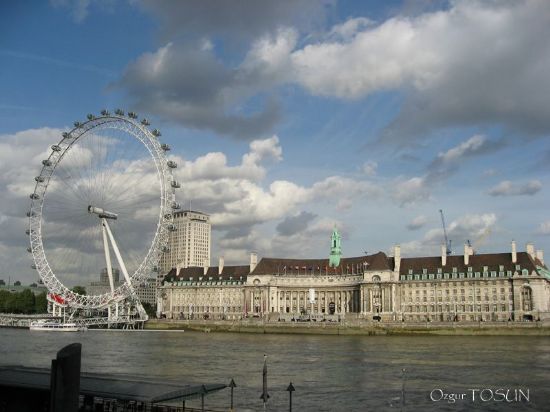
[(330, 373)]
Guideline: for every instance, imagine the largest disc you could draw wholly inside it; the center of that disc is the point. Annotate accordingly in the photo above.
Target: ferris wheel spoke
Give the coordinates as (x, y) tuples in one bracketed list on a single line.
[(65, 179)]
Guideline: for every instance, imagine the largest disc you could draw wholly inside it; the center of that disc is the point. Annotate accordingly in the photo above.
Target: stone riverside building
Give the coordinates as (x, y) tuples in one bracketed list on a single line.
[(470, 287), (146, 291)]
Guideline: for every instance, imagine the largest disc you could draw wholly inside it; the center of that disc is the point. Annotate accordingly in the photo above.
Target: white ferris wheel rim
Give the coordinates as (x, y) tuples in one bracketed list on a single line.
[(159, 243)]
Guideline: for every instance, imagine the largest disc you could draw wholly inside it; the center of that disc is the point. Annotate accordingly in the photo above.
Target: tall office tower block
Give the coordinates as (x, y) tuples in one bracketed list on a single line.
[(189, 244)]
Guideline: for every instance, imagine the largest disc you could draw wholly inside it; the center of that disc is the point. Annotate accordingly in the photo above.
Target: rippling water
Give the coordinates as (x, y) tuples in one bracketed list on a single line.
[(330, 373)]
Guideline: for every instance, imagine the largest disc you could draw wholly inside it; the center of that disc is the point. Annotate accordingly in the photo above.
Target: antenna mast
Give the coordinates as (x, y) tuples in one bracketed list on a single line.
[(447, 241)]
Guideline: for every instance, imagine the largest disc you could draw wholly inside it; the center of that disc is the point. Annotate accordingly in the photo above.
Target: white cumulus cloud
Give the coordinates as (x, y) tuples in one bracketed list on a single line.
[(544, 228), (470, 226), (417, 223), (509, 188)]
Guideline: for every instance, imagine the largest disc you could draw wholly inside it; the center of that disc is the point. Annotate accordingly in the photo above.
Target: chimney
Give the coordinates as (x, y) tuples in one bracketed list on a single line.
[(220, 265), (253, 261), (540, 256), (443, 255), (466, 254), (530, 248), (514, 252), (205, 266), (397, 257)]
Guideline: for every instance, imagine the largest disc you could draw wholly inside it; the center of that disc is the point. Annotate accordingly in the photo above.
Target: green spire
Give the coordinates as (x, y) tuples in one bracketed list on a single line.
[(335, 249)]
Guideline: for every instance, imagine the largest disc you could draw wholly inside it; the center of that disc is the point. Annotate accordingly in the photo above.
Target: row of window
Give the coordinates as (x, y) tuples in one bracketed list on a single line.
[(455, 284), (462, 275), (455, 291), (470, 269), (462, 298), (207, 309), (458, 308), (205, 283)]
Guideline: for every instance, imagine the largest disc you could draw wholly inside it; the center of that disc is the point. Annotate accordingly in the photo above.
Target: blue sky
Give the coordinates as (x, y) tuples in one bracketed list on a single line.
[(370, 116)]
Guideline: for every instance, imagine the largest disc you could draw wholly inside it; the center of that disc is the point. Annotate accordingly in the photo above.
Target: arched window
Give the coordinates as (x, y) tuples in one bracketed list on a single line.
[(376, 278)]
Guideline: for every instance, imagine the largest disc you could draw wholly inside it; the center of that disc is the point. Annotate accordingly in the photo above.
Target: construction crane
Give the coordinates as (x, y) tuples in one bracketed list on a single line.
[(447, 241)]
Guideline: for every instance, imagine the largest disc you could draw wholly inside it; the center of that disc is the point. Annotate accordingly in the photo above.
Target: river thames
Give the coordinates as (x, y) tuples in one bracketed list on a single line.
[(330, 373)]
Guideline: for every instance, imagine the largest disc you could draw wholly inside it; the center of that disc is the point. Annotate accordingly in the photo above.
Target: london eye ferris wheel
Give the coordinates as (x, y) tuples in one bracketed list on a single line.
[(103, 201)]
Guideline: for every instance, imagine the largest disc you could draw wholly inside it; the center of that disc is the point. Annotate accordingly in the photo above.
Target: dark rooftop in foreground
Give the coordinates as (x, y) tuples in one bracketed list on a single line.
[(106, 386)]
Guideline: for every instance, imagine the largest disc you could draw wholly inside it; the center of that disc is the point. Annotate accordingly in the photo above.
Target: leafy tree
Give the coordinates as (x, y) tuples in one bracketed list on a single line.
[(16, 283), (81, 290), (10, 303), (33, 285), (24, 302), (151, 310), (40, 303), (4, 297), (2, 283)]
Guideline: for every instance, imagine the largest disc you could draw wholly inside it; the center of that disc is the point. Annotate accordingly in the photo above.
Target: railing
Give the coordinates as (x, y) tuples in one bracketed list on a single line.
[(23, 321)]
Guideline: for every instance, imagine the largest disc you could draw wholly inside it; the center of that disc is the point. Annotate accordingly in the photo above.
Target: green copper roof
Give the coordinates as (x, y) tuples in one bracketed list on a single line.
[(544, 272)]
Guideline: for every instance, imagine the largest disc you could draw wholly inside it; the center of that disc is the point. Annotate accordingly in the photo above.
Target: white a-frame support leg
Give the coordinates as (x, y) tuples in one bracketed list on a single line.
[(107, 234), (107, 255), (117, 253)]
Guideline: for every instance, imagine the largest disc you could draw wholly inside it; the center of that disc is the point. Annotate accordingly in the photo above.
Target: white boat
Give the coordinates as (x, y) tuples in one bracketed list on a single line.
[(52, 325)]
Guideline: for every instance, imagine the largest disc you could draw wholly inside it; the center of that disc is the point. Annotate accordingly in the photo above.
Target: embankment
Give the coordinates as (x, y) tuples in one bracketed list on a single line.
[(356, 328)]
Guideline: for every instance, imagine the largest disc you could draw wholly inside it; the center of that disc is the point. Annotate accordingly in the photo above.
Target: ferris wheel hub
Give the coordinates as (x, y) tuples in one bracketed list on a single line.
[(103, 214)]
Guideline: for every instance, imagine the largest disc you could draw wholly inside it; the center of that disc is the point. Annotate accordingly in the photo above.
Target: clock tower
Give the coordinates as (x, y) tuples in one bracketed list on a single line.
[(335, 249)]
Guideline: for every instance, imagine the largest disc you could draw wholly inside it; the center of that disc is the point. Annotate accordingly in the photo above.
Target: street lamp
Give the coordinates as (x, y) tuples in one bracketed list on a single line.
[(290, 389), (232, 385)]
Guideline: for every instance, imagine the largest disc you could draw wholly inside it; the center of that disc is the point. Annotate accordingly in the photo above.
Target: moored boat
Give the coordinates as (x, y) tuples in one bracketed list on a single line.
[(53, 325)]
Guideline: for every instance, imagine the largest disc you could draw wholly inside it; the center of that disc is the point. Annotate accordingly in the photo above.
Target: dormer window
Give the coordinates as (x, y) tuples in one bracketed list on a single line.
[(485, 268), (469, 269), (439, 270), (501, 268), (410, 271), (455, 270), (425, 271)]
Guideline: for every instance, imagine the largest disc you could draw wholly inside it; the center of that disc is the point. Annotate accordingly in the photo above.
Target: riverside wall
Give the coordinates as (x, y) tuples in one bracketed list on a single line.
[(356, 328)]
